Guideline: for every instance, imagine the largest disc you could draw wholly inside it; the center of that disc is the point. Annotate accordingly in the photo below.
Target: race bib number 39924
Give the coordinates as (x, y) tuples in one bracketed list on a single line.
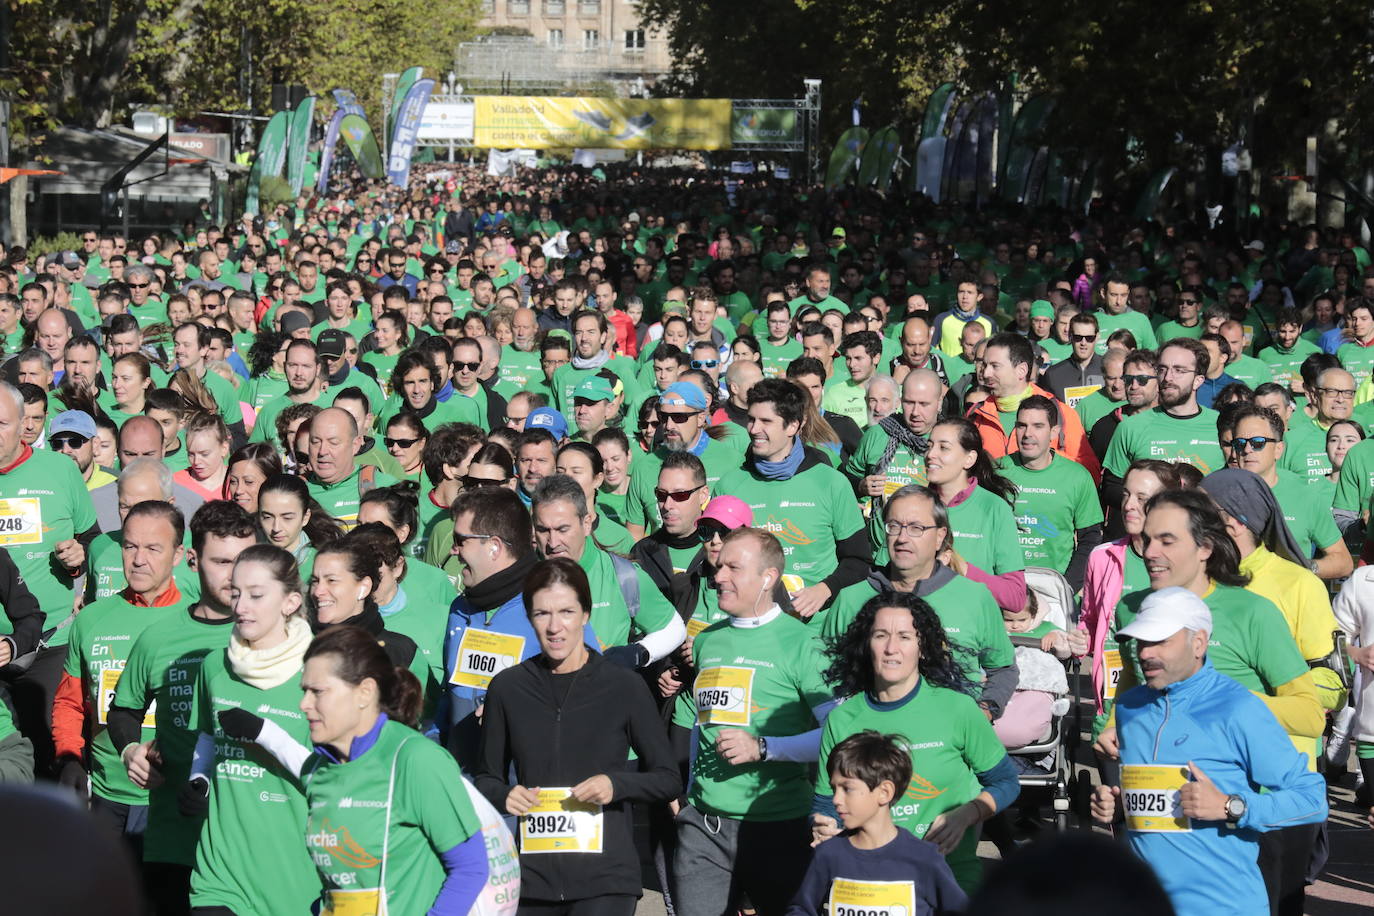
[(559, 823), (723, 695)]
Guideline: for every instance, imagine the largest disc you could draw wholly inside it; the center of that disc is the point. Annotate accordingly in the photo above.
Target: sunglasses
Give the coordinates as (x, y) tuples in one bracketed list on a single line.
[(1083, 338), (677, 419), (708, 532), (139, 285), (1240, 444), (677, 496), (399, 443), (705, 363), (460, 539), (1141, 380), (471, 367), (88, 238), (473, 483), (73, 441)]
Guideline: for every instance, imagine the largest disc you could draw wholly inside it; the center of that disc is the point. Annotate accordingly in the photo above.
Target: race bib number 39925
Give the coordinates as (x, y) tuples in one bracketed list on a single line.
[(1150, 795)]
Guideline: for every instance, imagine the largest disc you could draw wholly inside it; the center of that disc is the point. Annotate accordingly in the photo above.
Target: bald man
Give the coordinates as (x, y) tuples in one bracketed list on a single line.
[(51, 333), (739, 378), (335, 480), (139, 437), (892, 452)]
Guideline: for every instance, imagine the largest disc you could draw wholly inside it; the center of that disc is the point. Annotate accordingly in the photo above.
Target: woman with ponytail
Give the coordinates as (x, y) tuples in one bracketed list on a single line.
[(249, 859), (979, 500)]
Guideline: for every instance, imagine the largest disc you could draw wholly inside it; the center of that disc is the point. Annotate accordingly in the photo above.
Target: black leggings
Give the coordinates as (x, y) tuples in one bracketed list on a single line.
[(608, 905)]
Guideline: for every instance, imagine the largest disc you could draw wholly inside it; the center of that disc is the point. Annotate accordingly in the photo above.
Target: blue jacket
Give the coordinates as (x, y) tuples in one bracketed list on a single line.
[(1231, 736), (456, 717)]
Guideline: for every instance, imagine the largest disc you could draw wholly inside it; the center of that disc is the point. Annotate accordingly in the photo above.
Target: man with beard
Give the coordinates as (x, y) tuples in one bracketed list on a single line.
[(683, 421), (519, 358), (891, 454), (305, 385), (1178, 430), (1137, 370)]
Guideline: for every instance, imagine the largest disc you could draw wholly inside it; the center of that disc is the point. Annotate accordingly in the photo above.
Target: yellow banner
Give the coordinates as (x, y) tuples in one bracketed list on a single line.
[(537, 122)]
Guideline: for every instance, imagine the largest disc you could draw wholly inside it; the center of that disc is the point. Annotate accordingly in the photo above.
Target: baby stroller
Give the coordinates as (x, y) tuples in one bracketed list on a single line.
[(1047, 764)]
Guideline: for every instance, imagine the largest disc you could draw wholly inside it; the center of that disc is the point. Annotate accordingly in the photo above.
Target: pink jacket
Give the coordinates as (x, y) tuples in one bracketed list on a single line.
[(1102, 583)]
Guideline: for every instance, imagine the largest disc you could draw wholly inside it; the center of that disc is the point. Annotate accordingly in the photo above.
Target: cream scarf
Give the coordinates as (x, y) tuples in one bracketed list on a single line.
[(268, 668)]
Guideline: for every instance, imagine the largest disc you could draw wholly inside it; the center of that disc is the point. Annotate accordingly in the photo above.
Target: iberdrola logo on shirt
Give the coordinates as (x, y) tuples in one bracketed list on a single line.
[(787, 532), (922, 789), (337, 843)]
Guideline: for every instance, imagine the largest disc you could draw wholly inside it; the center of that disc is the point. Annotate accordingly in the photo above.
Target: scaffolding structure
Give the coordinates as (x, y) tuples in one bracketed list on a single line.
[(521, 65)]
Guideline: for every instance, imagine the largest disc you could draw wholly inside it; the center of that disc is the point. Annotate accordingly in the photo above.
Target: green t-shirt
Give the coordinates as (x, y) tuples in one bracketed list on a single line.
[(950, 741), (774, 358), (1306, 507), (382, 365), (102, 638), (1133, 321), (641, 508), (226, 397), (518, 368), (265, 427), (105, 569), (1250, 641), (44, 501), (1094, 407), (1156, 434), (250, 858), (400, 805), (420, 611), (984, 533), (1285, 366), (260, 391), (610, 617), (1172, 329), (566, 378), (906, 467), (1253, 372), (1304, 450), (809, 513), (825, 305), (341, 499), (765, 678), (1357, 360), (1355, 486), (847, 398), (163, 669), (1051, 505)]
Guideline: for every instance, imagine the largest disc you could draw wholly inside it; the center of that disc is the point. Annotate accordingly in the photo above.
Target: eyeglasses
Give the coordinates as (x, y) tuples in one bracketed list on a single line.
[(473, 483), (61, 442), (1083, 338), (1141, 380), (677, 496), (894, 529), (88, 238), (399, 443), (471, 367), (708, 532), (1165, 371), (705, 363), (1189, 302), (1340, 393), (1240, 444), (437, 272), (677, 419), (139, 285)]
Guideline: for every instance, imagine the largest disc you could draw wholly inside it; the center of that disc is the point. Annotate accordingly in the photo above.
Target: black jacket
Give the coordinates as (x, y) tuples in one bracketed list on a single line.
[(26, 617), (606, 711)]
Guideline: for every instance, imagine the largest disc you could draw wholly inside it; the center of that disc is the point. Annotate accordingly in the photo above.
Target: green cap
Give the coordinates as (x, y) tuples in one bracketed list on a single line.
[(1041, 308), (595, 388)]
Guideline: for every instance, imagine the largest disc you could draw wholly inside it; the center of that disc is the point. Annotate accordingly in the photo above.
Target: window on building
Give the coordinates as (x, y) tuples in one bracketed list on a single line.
[(634, 40), (555, 38), (555, 7), (591, 39), (589, 7), (518, 7), (488, 7)]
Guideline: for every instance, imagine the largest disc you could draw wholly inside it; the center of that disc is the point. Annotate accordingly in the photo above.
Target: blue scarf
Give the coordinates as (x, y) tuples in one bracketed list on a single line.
[(698, 447), (784, 469)]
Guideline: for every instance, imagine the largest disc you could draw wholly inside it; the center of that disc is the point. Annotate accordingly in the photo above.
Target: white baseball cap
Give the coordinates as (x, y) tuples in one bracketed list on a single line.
[(1165, 612)]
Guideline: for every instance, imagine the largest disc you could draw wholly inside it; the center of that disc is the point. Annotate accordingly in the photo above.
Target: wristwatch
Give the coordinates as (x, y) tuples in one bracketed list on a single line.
[(763, 747), (1235, 809)]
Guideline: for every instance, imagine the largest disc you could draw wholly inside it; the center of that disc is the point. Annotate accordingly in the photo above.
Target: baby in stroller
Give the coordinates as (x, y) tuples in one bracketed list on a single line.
[(1042, 689)]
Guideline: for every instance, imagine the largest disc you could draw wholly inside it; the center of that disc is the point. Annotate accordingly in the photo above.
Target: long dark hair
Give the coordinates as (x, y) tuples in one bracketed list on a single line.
[(851, 659), (358, 656), (322, 528), (1207, 528), (982, 470)]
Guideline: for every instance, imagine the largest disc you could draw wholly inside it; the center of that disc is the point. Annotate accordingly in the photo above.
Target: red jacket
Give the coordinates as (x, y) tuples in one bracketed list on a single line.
[(1073, 444)]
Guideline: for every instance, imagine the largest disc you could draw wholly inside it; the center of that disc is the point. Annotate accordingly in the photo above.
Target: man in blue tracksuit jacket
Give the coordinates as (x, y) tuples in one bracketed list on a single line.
[(488, 630), (1206, 767)]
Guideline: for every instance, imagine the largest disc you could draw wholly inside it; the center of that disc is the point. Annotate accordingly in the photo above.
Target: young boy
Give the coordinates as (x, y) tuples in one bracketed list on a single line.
[(874, 867)]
